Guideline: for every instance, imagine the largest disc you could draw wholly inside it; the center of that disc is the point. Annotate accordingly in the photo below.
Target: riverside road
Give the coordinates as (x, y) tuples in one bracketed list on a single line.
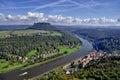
[(42, 69)]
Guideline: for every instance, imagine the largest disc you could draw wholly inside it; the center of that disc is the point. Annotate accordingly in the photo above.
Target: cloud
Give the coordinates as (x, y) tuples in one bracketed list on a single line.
[(86, 4), (48, 5), (2, 17), (59, 19), (32, 17), (74, 5), (100, 21), (33, 7)]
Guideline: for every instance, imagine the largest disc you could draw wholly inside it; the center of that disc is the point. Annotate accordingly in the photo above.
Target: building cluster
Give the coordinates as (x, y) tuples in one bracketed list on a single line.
[(18, 58), (8, 35), (91, 56), (73, 66)]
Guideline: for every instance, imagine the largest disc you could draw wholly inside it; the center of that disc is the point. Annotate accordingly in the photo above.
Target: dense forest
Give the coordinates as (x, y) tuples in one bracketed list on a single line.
[(27, 48), (21, 45), (107, 68), (101, 69), (104, 39), (110, 45)]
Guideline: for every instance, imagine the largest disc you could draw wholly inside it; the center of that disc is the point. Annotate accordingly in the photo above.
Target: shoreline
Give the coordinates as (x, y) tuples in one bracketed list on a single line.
[(41, 69)]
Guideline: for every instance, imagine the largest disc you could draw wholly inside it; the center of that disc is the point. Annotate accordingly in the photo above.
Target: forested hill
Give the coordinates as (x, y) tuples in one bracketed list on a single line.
[(104, 39), (43, 26), (39, 44)]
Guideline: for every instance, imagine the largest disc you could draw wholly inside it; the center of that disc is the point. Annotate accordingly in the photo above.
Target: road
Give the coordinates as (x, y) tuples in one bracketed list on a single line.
[(41, 69)]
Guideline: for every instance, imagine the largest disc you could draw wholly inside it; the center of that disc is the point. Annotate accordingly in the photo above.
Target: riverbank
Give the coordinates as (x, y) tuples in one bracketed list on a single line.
[(101, 69), (41, 69), (62, 52), (17, 65)]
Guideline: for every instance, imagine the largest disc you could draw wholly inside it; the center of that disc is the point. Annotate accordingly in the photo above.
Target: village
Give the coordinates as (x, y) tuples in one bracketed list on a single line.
[(83, 61)]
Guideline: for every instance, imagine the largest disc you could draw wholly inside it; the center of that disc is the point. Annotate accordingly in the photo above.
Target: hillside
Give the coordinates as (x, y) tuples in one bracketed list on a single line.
[(101, 69), (43, 26), (31, 47), (104, 39), (13, 27)]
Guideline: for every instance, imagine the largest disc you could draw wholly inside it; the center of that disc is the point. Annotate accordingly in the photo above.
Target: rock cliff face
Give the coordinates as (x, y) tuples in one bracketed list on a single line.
[(43, 26)]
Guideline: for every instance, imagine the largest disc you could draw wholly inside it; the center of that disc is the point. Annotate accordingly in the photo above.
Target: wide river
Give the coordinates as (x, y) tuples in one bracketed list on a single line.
[(41, 69)]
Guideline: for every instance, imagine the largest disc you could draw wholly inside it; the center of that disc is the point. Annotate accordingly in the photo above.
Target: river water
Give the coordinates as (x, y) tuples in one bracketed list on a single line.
[(41, 69)]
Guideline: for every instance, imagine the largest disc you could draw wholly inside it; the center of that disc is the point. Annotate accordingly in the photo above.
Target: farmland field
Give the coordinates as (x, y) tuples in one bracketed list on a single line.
[(28, 48), (28, 32), (3, 34)]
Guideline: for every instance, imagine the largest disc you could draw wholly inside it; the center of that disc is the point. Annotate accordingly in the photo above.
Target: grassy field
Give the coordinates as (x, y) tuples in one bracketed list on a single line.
[(3, 34), (6, 66), (67, 49), (28, 32), (62, 50), (31, 53), (55, 34)]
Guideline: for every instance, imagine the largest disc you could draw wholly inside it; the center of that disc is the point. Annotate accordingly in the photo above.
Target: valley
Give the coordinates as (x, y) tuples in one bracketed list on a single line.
[(28, 48)]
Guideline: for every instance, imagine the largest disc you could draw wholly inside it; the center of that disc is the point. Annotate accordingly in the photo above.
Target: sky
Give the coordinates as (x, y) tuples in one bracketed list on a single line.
[(65, 12)]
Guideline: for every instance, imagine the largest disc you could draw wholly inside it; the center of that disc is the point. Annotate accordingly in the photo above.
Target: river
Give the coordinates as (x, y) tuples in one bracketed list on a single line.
[(41, 69)]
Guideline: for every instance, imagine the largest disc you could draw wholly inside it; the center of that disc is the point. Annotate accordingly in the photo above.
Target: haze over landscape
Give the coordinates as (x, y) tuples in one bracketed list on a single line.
[(65, 12)]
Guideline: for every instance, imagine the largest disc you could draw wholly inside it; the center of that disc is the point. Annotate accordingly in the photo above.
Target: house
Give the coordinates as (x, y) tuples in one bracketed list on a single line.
[(67, 72), (8, 35)]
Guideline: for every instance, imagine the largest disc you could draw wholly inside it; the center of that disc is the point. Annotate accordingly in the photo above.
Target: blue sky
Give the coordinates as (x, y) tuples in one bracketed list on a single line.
[(82, 9)]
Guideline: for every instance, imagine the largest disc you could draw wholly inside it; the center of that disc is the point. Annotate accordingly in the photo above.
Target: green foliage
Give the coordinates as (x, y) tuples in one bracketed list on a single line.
[(24, 50), (104, 39), (31, 53), (43, 26), (3, 34), (28, 32), (102, 69), (110, 45), (66, 49), (6, 66), (21, 45)]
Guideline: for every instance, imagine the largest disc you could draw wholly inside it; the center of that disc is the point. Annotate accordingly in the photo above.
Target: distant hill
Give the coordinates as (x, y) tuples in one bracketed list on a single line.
[(13, 27), (43, 26)]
